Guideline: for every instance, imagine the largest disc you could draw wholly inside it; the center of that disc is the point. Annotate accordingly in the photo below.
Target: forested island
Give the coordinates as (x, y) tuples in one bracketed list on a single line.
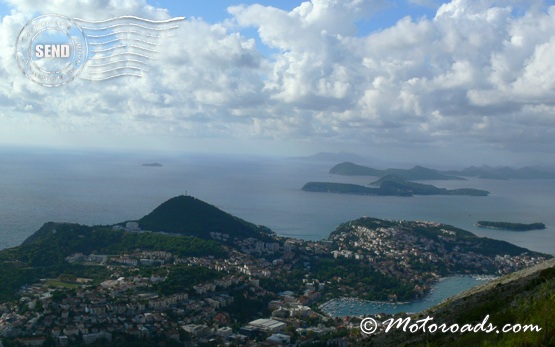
[(423, 173), (510, 226), (416, 173), (389, 186)]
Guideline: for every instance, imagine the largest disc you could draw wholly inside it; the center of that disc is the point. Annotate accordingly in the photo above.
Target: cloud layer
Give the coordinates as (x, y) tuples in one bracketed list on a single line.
[(479, 72)]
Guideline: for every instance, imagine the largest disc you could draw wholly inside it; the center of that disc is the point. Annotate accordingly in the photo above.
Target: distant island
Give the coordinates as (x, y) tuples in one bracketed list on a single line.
[(416, 173), (389, 186), (422, 173), (510, 226), (331, 157), (505, 173), (152, 165)]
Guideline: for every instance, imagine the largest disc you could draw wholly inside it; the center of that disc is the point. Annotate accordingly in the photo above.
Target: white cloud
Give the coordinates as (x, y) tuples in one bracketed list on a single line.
[(479, 71), (89, 9)]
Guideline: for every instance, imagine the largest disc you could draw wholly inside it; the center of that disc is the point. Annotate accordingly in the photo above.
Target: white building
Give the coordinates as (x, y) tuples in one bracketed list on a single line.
[(132, 226), (269, 325)]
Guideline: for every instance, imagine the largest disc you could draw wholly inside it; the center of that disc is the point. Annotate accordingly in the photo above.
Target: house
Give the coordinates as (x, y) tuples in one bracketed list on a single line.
[(132, 226), (279, 339), (32, 341), (268, 325), (224, 332)]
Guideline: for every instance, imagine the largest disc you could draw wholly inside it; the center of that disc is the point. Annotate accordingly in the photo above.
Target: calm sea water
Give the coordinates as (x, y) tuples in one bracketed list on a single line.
[(37, 187), (440, 291)]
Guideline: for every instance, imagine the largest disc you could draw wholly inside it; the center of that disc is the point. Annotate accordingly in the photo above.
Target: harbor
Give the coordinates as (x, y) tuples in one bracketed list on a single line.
[(442, 290)]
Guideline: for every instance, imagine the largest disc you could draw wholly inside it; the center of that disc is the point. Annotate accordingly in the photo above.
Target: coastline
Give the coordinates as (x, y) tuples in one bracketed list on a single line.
[(441, 290)]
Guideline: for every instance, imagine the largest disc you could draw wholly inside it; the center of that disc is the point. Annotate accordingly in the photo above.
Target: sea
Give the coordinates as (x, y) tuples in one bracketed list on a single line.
[(101, 188), (441, 291)]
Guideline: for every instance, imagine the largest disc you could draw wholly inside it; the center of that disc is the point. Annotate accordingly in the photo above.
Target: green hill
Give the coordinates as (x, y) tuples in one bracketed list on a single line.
[(526, 297), (465, 240), (43, 254), (187, 215)]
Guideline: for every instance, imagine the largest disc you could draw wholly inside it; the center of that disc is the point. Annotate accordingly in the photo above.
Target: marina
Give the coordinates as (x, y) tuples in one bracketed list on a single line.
[(445, 288)]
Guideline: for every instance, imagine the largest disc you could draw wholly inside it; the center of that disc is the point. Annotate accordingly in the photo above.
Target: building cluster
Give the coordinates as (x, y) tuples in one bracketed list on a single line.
[(130, 303), (400, 252)]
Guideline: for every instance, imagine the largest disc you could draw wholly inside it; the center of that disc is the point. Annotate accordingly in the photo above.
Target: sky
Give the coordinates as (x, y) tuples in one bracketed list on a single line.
[(458, 82)]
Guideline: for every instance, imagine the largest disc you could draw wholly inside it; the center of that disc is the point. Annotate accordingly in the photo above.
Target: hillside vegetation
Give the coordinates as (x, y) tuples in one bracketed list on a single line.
[(190, 216), (43, 254), (524, 297)]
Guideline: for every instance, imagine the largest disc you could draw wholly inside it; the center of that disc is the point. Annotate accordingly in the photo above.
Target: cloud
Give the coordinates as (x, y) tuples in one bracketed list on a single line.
[(479, 72), (89, 8)]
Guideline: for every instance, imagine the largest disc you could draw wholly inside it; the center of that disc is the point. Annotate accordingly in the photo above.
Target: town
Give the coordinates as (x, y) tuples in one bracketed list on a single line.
[(260, 293)]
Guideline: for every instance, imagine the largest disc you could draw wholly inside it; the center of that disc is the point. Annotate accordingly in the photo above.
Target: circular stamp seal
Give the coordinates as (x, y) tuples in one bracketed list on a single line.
[(51, 50)]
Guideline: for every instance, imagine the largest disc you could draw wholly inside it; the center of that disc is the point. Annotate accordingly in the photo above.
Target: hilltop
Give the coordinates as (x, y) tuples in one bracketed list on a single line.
[(181, 225), (187, 215)]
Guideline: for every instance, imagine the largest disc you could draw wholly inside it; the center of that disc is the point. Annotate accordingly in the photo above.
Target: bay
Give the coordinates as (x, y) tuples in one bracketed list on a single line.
[(445, 288)]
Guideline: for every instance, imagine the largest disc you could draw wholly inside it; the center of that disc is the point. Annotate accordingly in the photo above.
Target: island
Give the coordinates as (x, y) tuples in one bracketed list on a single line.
[(510, 226), (389, 185), (416, 173), (152, 165), (339, 188), (506, 173), (422, 173)]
